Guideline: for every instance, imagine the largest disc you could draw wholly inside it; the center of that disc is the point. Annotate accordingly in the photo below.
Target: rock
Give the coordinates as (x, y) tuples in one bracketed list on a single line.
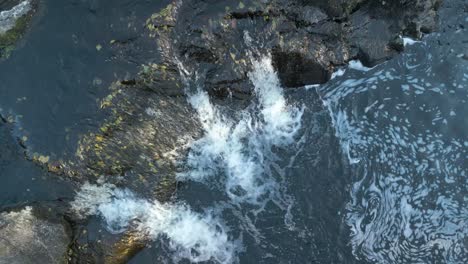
[(92, 245), (14, 20), (296, 70), (225, 81), (372, 39), (334, 8), (161, 78), (308, 39), (137, 147), (309, 15), (375, 27), (33, 235)]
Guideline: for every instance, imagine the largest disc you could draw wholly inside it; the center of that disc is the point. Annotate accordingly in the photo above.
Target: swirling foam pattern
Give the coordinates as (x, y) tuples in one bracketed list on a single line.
[(403, 127)]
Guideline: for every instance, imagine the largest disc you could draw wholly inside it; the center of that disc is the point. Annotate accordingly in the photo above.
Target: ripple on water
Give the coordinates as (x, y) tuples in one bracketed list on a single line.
[(399, 125)]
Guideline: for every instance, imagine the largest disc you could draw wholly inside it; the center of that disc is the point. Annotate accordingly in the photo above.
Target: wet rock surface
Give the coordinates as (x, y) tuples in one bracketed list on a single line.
[(136, 148), (137, 145), (308, 38), (33, 234)]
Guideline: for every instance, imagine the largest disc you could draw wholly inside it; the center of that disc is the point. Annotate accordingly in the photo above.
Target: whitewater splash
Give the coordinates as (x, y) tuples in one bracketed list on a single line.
[(407, 148), (241, 147), (8, 18), (193, 236)]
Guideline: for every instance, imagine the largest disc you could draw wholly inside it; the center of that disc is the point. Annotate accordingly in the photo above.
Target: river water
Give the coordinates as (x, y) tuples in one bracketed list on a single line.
[(368, 168)]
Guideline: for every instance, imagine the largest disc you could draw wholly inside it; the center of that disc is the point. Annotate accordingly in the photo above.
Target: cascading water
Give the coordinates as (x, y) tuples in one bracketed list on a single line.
[(242, 149), (239, 148), (194, 236)]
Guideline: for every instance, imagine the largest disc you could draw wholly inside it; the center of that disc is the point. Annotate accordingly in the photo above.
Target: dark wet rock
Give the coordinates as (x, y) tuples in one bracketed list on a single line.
[(92, 244), (376, 25), (308, 16), (308, 39), (163, 79), (15, 17), (148, 126), (372, 40), (224, 81), (137, 145), (296, 70), (33, 234), (334, 8)]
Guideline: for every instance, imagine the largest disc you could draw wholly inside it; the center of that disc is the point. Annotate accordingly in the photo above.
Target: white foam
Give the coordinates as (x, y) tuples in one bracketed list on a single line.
[(311, 86), (239, 147), (409, 41), (357, 65), (280, 122), (338, 73), (197, 237), (403, 167), (8, 18), (348, 135)]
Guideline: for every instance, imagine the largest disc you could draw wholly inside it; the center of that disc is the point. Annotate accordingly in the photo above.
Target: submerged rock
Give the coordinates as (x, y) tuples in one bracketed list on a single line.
[(33, 235), (14, 19)]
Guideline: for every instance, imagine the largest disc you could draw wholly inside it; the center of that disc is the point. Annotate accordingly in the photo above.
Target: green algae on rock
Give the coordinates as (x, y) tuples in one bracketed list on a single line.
[(137, 144), (135, 147), (13, 24)]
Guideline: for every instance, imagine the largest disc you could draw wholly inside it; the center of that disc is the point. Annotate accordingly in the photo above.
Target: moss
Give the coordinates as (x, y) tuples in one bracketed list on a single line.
[(163, 20), (9, 38), (165, 12), (124, 249)]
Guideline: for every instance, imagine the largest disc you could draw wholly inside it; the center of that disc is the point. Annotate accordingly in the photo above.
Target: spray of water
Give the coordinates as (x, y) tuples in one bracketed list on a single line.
[(8, 18), (193, 236), (240, 148)]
